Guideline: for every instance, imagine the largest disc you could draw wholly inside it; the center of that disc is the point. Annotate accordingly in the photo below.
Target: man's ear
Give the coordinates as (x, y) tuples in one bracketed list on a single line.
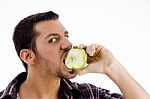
[(27, 56)]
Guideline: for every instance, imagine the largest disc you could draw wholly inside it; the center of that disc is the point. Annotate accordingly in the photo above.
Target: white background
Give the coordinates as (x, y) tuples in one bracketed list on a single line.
[(122, 26)]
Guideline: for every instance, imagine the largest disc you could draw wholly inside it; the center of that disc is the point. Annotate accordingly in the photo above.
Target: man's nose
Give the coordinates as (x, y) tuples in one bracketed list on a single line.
[(66, 44)]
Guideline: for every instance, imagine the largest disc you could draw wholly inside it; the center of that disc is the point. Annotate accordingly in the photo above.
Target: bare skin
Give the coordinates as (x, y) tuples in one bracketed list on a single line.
[(46, 66)]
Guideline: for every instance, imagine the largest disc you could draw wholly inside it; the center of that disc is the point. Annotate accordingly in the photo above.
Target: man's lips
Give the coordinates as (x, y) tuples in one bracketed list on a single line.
[(64, 56)]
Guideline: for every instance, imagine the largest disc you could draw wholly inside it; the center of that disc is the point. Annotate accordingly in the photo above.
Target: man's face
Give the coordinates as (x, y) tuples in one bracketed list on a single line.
[(52, 46)]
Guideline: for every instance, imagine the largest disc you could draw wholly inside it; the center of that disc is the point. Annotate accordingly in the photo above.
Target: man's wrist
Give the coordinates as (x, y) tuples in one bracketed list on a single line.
[(113, 71)]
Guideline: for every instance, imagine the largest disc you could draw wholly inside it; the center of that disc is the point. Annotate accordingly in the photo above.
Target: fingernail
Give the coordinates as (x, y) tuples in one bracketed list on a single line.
[(91, 54)]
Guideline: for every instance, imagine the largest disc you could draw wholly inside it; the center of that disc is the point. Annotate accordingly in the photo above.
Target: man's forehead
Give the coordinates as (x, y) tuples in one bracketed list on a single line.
[(49, 25), (50, 28), (46, 23)]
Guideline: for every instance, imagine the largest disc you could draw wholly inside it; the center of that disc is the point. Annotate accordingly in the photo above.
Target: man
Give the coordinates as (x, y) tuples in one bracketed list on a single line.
[(42, 44)]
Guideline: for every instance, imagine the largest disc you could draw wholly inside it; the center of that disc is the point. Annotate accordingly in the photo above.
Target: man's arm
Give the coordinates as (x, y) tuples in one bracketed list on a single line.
[(101, 60), (128, 86)]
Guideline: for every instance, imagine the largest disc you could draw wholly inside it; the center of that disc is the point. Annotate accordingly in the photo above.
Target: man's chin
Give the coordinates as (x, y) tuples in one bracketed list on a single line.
[(71, 75), (67, 73)]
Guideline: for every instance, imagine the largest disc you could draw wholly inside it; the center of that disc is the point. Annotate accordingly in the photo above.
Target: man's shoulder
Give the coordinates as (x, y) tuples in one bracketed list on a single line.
[(13, 87), (90, 90), (87, 86)]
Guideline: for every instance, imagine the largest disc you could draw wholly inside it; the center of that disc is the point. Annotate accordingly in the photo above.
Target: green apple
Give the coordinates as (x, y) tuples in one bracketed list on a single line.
[(76, 59)]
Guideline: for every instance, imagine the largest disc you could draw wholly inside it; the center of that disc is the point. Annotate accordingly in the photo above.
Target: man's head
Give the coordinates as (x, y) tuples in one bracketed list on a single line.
[(24, 33), (41, 43)]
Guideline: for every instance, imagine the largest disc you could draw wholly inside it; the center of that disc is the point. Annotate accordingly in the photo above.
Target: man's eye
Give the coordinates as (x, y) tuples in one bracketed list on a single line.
[(52, 40), (66, 36)]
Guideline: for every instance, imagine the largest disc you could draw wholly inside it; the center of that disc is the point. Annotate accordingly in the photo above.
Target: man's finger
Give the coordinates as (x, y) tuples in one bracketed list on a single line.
[(82, 46)]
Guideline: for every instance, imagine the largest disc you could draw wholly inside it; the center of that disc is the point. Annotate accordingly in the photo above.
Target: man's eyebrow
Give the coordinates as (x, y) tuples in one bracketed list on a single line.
[(52, 34), (66, 33), (56, 34)]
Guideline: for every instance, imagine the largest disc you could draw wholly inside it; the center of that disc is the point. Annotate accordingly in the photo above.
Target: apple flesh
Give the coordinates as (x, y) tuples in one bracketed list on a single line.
[(76, 59)]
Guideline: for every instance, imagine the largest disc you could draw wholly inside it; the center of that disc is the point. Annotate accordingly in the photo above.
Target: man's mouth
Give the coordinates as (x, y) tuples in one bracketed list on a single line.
[(71, 71), (64, 57)]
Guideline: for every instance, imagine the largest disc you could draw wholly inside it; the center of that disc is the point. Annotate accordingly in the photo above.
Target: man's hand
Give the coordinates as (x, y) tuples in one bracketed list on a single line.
[(99, 59)]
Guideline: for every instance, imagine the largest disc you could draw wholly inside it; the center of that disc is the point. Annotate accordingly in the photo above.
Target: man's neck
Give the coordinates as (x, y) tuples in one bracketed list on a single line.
[(40, 87)]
